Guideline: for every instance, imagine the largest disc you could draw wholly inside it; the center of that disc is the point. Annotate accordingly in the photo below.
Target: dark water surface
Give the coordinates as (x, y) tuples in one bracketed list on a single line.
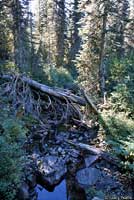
[(59, 193)]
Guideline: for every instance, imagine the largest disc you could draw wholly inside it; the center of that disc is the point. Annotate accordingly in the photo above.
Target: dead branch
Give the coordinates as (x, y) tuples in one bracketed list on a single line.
[(95, 110), (56, 92), (50, 106), (95, 151)]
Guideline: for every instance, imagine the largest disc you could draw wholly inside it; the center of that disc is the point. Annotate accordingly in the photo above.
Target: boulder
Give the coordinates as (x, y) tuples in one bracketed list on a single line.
[(91, 160), (51, 171), (31, 180), (23, 193), (97, 198), (88, 176)]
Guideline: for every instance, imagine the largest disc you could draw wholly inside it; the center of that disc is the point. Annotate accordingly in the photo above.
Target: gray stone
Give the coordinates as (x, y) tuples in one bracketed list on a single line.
[(90, 160), (74, 140), (59, 149), (23, 193), (61, 136), (80, 138), (107, 182), (97, 198), (52, 169), (88, 176), (33, 193), (74, 153), (31, 179)]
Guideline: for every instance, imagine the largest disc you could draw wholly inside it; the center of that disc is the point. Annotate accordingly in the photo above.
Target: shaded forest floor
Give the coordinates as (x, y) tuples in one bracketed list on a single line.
[(53, 149)]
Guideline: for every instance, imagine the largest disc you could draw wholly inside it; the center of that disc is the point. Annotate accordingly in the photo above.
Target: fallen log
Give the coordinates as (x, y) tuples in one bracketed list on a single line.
[(56, 92), (95, 151), (96, 111), (90, 102)]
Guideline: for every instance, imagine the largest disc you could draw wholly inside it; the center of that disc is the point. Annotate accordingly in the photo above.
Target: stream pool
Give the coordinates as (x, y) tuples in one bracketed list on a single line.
[(59, 193)]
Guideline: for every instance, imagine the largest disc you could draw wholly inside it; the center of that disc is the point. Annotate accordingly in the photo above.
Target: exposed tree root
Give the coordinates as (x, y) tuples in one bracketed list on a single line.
[(50, 106)]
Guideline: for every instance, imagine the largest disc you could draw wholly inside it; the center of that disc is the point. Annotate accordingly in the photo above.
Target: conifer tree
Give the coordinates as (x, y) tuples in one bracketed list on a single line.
[(19, 29), (52, 27), (103, 26)]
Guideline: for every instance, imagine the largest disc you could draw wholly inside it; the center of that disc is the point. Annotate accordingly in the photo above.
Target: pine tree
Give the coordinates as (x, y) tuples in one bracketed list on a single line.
[(103, 26), (19, 29), (6, 37), (60, 32), (89, 55), (129, 33), (52, 27), (73, 38)]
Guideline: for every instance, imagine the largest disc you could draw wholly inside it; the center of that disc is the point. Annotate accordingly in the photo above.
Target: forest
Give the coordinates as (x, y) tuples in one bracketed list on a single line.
[(66, 99)]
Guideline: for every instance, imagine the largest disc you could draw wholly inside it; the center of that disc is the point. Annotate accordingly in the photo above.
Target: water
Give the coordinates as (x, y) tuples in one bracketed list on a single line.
[(58, 194)]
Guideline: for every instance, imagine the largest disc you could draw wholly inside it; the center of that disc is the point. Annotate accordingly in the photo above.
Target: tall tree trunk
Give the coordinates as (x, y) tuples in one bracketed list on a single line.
[(20, 35), (121, 25), (16, 12), (102, 70), (75, 38), (60, 26)]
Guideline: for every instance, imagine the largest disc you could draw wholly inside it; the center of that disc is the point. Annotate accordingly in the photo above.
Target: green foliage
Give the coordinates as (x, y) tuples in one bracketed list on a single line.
[(91, 192), (14, 130), (10, 168), (7, 67), (119, 117), (121, 83), (12, 135), (121, 137), (59, 76), (121, 99), (122, 70), (54, 76)]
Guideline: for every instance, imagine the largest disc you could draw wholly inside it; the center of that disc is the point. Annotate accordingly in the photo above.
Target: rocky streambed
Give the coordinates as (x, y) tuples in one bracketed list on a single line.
[(76, 174), (61, 146)]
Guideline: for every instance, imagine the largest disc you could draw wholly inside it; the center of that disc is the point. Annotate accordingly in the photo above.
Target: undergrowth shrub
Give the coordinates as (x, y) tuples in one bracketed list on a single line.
[(10, 168), (12, 157), (7, 67), (120, 114), (53, 76), (120, 85), (59, 76), (121, 137)]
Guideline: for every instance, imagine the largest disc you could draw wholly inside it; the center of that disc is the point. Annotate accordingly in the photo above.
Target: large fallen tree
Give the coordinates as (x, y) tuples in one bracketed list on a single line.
[(56, 92), (95, 151), (49, 105), (61, 104), (52, 107)]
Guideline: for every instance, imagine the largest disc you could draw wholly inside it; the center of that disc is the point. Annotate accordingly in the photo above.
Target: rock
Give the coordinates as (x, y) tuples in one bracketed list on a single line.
[(61, 136), (63, 152), (74, 153), (80, 138), (23, 193), (107, 183), (33, 193), (59, 149), (90, 160), (54, 152), (37, 136), (31, 179), (97, 198), (51, 171), (88, 176)]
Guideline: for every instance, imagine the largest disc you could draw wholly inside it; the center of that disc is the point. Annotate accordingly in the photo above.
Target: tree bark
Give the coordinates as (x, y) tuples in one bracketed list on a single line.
[(102, 70), (56, 92), (95, 151)]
